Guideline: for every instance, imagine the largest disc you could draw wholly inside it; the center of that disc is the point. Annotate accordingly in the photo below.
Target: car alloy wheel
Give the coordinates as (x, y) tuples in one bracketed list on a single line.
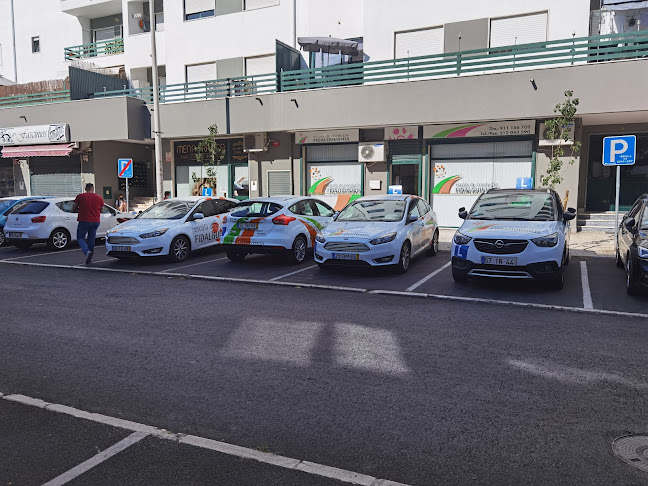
[(58, 240), (2, 238), (404, 260), (299, 250), (632, 287), (434, 245), (179, 249)]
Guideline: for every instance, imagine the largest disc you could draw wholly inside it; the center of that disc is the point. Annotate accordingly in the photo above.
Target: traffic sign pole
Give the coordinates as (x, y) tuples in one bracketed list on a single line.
[(126, 194), (616, 204)]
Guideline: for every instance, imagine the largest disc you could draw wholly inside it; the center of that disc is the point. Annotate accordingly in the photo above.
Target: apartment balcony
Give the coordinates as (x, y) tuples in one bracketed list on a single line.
[(91, 8), (103, 48)]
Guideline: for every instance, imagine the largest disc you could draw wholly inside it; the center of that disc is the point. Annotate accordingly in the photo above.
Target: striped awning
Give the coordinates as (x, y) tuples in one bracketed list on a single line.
[(60, 150)]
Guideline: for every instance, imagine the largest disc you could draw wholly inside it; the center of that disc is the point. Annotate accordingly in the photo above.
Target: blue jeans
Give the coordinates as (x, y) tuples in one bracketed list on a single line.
[(86, 235)]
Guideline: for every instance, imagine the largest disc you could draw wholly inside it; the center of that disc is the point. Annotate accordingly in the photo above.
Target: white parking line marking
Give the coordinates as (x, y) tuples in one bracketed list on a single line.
[(292, 273), (587, 294), (425, 279), (41, 254), (193, 264), (142, 430), (85, 466)]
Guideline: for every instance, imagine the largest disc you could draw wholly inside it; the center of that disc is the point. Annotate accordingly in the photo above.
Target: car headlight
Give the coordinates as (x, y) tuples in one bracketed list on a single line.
[(155, 233), (643, 252), (383, 239), (461, 239), (546, 241), (320, 239)]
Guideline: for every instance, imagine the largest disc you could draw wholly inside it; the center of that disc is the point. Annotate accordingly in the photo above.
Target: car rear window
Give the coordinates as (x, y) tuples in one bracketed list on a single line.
[(34, 207), (256, 209)]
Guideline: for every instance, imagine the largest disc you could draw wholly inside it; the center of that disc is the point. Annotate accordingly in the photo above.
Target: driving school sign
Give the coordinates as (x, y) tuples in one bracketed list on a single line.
[(35, 134), (488, 129)]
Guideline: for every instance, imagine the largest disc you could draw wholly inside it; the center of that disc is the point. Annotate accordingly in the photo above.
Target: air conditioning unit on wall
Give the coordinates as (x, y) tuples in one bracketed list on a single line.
[(255, 142), (546, 141), (372, 152)]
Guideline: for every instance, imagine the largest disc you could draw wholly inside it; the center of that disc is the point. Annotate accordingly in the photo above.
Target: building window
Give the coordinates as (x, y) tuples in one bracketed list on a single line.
[(35, 42), (524, 29), (198, 9), (255, 4), (414, 43)]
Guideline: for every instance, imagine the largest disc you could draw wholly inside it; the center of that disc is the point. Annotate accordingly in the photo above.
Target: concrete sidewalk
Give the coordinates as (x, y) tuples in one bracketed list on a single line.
[(582, 244)]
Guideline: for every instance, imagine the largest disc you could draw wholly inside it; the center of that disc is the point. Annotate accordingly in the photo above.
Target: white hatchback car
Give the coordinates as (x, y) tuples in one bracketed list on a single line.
[(172, 227), (285, 225), (52, 221), (379, 231), (514, 233)]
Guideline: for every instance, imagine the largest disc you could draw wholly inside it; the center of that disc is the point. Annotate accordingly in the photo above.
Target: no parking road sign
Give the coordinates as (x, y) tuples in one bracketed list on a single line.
[(125, 168), (620, 150)]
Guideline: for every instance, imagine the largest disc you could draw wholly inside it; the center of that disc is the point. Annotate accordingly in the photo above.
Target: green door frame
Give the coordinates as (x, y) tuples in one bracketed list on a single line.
[(411, 161)]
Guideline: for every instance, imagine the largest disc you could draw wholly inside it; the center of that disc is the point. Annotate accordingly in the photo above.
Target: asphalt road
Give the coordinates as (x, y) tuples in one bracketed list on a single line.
[(420, 391)]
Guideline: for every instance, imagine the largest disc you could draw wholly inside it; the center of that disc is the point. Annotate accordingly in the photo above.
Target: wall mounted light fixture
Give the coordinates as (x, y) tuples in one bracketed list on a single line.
[(533, 83), (295, 101)]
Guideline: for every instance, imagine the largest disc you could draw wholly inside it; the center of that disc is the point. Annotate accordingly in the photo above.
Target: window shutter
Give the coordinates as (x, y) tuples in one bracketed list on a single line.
[(419, 43), (279, 183), (332, 153), (260, 65), (254, 4), (195, 6), (201, 72), (524, 29)]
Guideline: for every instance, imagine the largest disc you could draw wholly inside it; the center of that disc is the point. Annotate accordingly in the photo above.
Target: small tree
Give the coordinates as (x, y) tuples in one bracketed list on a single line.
[(210, 153), (558, 129)]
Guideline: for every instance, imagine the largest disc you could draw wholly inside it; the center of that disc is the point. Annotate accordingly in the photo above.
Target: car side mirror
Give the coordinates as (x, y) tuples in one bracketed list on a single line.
[(569, 214), (630, 225), (412, 218), (198, 216), (463, 214), (336, 214)]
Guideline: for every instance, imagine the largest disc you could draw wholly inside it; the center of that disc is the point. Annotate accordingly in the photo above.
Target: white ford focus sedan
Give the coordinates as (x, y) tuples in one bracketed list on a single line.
[(379, 231), (173, 227), (516, 234)]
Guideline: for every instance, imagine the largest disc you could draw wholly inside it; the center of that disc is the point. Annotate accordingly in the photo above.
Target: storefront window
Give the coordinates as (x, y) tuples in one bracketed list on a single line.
[(334, 173), (6, 178)]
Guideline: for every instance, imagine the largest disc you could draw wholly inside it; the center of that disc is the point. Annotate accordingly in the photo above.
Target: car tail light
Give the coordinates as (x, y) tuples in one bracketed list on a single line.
[(38, 219), (283, 219), (122, 220), (224, 219)]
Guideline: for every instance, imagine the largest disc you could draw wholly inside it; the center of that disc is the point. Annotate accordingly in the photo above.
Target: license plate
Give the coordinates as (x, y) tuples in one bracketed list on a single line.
[(14, 235), (121, 248), (346, 256), (248, 226), (507, 262)]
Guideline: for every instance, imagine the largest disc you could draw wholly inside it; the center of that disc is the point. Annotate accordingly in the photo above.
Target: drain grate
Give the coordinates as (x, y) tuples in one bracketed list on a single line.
[(632, 450)]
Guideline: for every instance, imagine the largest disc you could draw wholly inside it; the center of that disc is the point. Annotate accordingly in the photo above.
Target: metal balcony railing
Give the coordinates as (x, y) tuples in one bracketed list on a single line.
[(35, 98), (101, 48), (202, 90)]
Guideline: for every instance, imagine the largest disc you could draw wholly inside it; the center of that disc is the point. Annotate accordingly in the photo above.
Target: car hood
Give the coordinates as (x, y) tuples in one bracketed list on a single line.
[(358, 229), (144, 225), (508, 229)]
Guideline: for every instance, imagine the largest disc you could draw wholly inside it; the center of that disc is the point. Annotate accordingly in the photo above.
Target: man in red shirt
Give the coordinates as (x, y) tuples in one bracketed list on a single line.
[(89, 206)]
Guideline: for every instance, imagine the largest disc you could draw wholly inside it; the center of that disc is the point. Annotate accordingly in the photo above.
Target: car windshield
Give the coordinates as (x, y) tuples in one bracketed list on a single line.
[(167, 210), (255, 208), (644, 220), (514, 206), (376, 210), (4, 205)]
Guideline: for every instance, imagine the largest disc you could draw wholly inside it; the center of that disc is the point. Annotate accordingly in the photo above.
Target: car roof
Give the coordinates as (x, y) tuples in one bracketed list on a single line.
[(194, 199), (23, 198), (386, 197), (277, 199), (544, 190)]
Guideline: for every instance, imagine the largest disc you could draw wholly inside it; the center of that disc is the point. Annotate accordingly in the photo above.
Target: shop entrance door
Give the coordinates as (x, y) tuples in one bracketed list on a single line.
[(601, 181), (406, 174)]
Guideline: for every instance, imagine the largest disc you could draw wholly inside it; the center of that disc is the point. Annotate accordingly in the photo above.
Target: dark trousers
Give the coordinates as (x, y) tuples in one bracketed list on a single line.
[(86, 235)]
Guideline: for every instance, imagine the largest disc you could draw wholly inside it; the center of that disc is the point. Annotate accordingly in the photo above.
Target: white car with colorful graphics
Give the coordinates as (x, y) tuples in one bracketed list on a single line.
[(173, 227), (379, 231), (516, 234), (285, 225)]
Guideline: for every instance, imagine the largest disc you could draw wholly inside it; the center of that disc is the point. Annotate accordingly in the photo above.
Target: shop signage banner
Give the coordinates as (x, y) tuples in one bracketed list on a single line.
[(186, 151), (328, 136), (409, 132), (489, 129), (35, 134), (335, 183)]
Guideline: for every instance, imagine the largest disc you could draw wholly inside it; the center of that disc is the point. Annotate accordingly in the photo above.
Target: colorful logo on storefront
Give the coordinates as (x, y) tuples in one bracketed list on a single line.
[(401, 134), (455, 132), (481, 227), (303, 139), (446, 185), (319, 187)]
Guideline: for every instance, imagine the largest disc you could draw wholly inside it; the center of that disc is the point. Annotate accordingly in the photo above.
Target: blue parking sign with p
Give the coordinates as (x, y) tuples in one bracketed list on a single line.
[(620, 150), (125, 168)]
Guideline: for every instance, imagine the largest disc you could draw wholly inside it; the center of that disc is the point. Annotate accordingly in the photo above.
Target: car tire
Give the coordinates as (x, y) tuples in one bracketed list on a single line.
[(235, 255), (458, 276), (297, 254), (567, 257), (58, 240), (632, 286), (434, 245), (179, 249), (2, 237), (619, 261), (404, 258), (23, 245), (557, 282), (323, 267)]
